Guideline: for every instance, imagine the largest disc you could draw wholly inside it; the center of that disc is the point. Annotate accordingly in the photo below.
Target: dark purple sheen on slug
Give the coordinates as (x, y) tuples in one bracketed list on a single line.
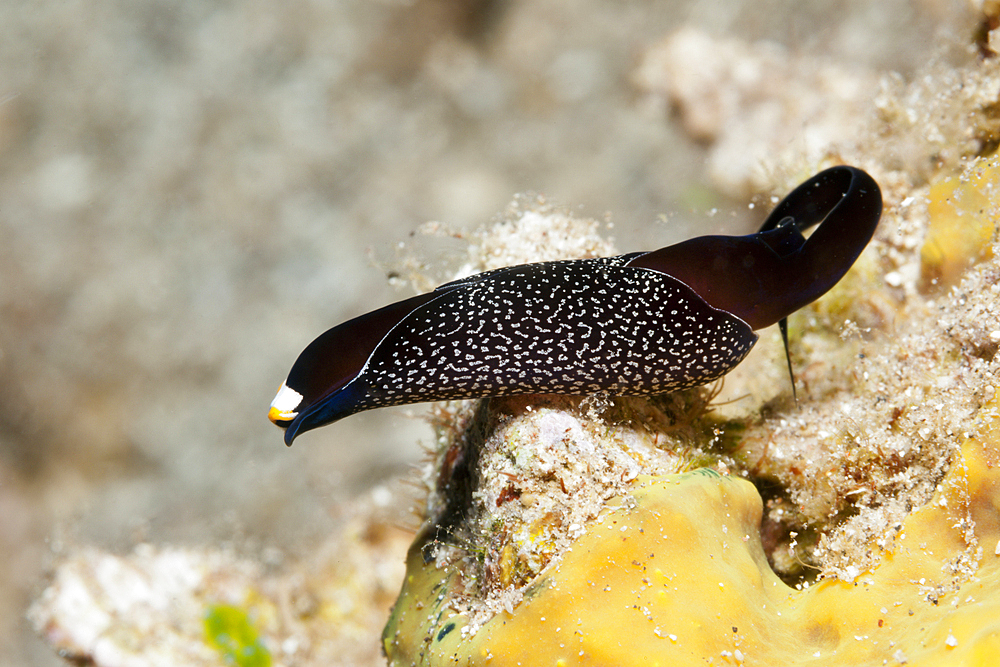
[(766, 276), (637, 324)]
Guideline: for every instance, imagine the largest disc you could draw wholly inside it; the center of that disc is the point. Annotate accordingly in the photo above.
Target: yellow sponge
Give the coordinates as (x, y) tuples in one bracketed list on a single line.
[(963, 222), (674, 574)]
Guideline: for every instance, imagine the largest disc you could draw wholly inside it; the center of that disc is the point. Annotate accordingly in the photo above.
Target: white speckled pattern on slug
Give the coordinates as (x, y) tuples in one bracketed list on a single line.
[(571, 327)]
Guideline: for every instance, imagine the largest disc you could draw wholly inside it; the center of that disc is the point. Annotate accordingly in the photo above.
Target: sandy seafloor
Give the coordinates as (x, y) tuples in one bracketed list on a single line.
[(189, 192)]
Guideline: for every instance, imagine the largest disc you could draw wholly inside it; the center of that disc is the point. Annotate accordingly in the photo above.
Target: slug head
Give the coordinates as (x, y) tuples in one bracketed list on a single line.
[(330, 363)]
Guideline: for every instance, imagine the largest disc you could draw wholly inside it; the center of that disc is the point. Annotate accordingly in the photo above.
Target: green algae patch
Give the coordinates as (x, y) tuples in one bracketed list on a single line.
[(229, 630)]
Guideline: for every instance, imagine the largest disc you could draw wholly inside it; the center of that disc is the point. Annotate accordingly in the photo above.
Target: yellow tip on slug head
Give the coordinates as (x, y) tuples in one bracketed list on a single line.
[(283, 406)]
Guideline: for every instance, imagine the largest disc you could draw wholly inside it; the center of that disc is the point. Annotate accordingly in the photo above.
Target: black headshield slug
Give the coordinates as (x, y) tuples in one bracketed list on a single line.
[(642, 323)]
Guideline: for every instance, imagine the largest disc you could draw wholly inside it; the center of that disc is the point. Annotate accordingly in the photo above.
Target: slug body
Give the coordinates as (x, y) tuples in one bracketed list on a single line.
[(642, 323)]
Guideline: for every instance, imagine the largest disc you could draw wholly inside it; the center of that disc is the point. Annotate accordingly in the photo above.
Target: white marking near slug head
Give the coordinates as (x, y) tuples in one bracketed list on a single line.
[(284, 404)]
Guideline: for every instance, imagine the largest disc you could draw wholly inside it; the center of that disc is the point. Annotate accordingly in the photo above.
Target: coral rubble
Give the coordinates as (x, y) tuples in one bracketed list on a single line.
[(191, 606)]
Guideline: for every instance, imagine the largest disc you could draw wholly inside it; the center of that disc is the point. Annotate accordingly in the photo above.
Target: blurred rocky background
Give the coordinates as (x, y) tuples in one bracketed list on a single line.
[(190, 192)]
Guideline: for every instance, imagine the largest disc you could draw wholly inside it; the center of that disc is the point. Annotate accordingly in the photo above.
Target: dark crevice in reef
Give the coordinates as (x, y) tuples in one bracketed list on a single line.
[(457, 481), (784, 534)]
